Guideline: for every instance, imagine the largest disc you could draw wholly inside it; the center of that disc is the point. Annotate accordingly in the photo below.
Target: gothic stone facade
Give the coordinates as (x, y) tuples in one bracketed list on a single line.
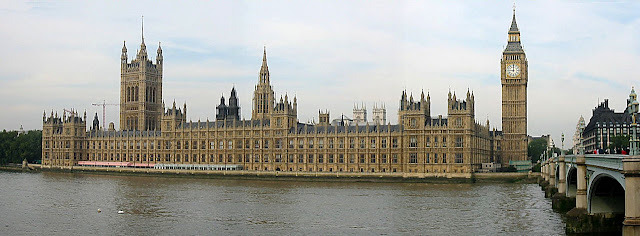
[(274, 140)]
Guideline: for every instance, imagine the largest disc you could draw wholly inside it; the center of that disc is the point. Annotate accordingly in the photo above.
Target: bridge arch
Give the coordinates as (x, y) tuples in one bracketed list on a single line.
[(572, 181), (606, 194)]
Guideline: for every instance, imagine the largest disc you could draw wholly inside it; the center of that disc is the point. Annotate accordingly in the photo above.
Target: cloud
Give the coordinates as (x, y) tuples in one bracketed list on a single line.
[(331, 54)]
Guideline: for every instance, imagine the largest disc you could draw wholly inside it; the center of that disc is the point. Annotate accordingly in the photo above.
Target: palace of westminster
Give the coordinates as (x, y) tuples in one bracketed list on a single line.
[(152, 135)]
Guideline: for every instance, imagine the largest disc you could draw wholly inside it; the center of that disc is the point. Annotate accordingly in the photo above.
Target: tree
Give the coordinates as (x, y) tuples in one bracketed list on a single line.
[(619, 142), (14, 148), (536, 148)]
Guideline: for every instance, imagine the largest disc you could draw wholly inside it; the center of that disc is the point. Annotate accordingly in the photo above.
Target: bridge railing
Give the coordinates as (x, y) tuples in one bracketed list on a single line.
[(610, 161)]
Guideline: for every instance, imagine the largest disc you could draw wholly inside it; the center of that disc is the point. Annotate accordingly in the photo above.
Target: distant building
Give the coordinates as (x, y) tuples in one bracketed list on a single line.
[(605, 123), (21, 131), (576, 136), (379, 114)]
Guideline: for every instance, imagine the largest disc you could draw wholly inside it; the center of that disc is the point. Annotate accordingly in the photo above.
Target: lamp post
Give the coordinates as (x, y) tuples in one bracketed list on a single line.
[(633, 150)]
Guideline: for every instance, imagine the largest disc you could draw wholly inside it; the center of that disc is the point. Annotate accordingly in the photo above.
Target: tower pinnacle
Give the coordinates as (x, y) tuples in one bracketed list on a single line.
[(264, 69), (142, 34)]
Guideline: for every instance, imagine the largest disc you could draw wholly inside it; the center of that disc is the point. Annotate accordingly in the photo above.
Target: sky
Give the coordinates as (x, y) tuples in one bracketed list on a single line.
[(330, 54)]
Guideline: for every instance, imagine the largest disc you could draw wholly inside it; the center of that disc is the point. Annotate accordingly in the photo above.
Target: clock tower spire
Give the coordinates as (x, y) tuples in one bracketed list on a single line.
[(514, 76)]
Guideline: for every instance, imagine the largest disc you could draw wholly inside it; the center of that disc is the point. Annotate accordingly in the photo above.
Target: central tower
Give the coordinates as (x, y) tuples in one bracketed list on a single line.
[(263, 100), (514, 78), (140, 90)]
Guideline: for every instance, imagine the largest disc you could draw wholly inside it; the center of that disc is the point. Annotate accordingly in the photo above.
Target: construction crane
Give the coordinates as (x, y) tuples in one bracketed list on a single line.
[(104, 105)]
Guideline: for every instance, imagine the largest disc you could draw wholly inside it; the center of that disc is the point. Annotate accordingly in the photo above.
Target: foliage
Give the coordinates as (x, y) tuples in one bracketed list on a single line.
[(536, 168), (536, 148), (619, 142), (14, 148), (508, 169)]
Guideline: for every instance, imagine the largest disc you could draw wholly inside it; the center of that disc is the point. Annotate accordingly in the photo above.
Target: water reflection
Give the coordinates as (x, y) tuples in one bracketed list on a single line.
[(63, 203)]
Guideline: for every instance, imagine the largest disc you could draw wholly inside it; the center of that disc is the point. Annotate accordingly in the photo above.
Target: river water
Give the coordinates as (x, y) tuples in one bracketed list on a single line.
[(67, 204)]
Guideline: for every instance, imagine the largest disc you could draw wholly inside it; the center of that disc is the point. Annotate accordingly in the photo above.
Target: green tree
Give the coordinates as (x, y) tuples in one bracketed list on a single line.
[(536, 148), (14, 148), (619, 142)]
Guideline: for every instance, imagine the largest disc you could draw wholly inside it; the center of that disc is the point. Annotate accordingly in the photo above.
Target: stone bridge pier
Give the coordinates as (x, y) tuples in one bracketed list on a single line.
[(601, 191), (631, 171)]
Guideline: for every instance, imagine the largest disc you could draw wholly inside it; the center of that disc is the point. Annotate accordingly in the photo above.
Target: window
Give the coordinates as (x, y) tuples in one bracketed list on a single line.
[(330, 158), (321, 143), (310, 143), (435, 158), (221, 146), (300, 158), (427, 158), (301, 143), (290, 158), (361, 158), (444, 158), (278, 158), (459, 158), (413, 158), (373, 158), (330, 143), (320, 158), (230, 144), (459, 142), (341, 158), (212, 145), (394, 142), (310, 158), (394, 158), (373, 142), (413, 141), (362, 141), (352, 143), (352, 158), (427, 141), (384, 158), (444, 141), (384, 142)]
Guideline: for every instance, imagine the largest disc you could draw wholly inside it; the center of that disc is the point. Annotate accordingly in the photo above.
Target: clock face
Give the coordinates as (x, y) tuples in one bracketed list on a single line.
[(513, 70)]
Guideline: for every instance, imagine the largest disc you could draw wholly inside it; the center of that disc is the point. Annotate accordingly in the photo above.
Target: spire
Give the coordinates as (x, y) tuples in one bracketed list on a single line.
[(513, 42), (143, 47), (142, 34), (514, 25), (264, 69)]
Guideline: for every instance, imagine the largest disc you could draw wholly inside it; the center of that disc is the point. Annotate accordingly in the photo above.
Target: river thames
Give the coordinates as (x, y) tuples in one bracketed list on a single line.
[(67, 204)]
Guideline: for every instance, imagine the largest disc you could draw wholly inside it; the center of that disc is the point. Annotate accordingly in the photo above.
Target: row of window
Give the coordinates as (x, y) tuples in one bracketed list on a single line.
[(300, 143), (277, 158)]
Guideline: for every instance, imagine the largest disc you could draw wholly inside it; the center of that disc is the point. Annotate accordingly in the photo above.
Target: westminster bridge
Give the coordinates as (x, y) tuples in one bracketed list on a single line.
[(602, 185)]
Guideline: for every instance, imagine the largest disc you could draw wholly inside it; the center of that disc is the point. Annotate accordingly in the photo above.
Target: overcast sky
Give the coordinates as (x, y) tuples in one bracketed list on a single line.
[(331, 54)]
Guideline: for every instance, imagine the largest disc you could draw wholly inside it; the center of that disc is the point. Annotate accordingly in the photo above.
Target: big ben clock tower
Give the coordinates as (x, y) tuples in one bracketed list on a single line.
[(514, 78)]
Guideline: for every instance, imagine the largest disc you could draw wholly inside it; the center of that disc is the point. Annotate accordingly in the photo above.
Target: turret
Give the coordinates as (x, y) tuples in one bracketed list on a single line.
[(96, 123), (159, 57), (233, 111), (123, 56), (222, 110), (323, 117)]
